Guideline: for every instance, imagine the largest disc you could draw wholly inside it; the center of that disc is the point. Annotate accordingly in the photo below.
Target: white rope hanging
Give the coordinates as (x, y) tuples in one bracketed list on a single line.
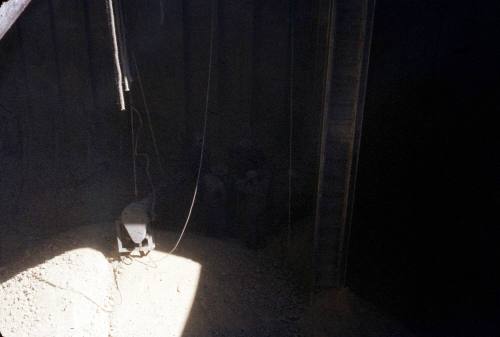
[(116, 54)]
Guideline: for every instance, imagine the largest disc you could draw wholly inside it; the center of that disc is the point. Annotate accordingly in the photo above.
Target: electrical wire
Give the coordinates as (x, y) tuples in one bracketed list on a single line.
[(135, 152), (205, 119), (204, 133), (162, 13), (290, 133), (148, 115)]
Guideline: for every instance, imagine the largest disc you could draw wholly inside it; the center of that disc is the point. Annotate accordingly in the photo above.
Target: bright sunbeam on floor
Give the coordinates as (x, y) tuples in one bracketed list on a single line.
[(79, 293), (157, 293), (70, 284), (67, 295)]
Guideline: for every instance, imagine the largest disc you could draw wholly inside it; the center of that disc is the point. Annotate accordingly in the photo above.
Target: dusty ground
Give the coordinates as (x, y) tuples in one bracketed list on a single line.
[(51, 299), (69, 285), (73, 285), (340, 312)]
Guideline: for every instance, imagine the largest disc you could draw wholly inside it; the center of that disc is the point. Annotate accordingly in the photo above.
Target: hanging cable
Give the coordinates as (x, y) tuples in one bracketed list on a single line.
[(162, 13), (134, 150), (116, 54), (148, 115), (145, 156), (204, 133), (205, 119), (122, 46), (290, 133)]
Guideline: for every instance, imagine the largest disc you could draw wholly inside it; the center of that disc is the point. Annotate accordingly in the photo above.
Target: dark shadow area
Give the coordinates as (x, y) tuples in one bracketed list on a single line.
[(66, 158), (423, 182), (66, 149)]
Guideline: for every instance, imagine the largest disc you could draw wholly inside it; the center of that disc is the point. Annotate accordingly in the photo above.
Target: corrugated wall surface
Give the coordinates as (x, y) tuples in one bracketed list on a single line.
[(65, 145), (350, 34)]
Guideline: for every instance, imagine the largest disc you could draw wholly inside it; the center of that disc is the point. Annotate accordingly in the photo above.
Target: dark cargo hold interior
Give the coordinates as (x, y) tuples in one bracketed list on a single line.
[(301, 168)]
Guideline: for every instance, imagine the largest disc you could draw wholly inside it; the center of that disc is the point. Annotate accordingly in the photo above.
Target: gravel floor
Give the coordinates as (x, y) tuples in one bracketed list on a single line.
[(52, 298), (70, 285)]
